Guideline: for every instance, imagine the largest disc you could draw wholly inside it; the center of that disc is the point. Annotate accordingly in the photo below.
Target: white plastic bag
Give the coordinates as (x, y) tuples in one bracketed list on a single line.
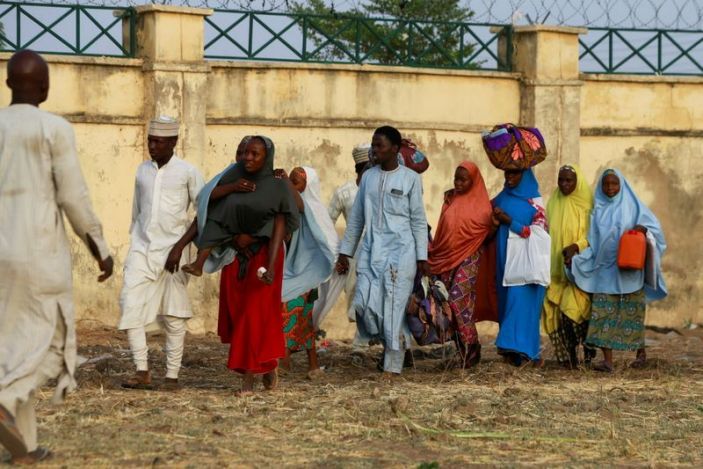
[(528, 259)]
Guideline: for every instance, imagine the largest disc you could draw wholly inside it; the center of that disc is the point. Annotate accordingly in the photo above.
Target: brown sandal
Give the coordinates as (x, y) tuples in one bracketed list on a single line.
[(33, 457), (603, 367), (10, 436), (270, 380), (140, 380)]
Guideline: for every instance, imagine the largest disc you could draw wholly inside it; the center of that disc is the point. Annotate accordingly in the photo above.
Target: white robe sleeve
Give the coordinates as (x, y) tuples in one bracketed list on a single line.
[(71, 190)]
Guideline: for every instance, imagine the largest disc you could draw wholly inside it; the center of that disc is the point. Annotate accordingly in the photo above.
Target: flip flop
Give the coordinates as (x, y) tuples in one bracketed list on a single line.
[(10, 436)]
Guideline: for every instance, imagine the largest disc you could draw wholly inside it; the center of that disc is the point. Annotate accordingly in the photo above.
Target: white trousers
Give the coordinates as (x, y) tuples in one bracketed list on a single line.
[(18, 397), (175, 341)]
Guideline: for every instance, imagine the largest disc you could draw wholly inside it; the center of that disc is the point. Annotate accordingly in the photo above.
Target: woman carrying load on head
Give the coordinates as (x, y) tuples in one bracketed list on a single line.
[(518, 209), (454, 256), (619, 295), (309, 263), (566, 308)]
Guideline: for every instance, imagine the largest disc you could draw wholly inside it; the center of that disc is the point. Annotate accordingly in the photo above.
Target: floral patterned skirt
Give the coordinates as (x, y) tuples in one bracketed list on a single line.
[(617, 321), (297, 322)]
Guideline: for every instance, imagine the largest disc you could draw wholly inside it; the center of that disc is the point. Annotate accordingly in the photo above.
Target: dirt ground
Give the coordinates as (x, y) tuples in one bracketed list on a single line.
[(430, 417)]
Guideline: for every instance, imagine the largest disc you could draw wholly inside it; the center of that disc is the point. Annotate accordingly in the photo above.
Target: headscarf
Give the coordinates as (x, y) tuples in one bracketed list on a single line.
[(568, 217), (250, 213), (596, 270), (515, 200), (463, 225), (313, 248)]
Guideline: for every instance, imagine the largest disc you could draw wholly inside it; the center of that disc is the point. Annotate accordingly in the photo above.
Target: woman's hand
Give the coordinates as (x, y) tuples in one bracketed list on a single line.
[(267, 277), (342, 266), (501, 216), (568, 252), (280, 173), (242, 185)]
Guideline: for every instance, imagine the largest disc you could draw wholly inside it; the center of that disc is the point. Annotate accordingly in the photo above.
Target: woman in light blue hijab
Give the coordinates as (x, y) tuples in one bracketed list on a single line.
[(619, 296)]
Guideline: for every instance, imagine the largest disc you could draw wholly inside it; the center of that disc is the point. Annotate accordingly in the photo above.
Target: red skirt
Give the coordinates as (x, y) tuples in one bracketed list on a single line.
[(250, 316)]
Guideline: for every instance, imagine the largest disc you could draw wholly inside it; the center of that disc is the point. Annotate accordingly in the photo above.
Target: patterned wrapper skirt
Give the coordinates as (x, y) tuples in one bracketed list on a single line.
[(617, 321), (297, 322)]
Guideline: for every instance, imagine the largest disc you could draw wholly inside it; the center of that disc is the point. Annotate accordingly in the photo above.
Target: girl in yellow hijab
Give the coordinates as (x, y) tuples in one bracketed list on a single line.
[(566, 309)]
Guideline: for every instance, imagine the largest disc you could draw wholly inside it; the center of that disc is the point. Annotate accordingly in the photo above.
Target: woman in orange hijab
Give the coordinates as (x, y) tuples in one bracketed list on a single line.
[(454, 256)]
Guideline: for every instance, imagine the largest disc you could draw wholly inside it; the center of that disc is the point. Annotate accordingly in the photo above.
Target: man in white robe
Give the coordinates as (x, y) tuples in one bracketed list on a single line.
[(40, 182), (166, 186)]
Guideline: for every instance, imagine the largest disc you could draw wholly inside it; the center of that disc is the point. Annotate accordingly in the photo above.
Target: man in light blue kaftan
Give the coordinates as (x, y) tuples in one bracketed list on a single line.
[(388, 217)]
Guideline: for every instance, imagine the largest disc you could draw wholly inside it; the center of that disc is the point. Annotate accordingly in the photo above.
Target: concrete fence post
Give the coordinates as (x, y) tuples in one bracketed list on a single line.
[(171, 42), (547, 57)]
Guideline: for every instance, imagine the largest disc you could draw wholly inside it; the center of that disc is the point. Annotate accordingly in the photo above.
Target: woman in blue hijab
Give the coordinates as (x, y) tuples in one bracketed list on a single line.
[(517, 208), (619, 296)]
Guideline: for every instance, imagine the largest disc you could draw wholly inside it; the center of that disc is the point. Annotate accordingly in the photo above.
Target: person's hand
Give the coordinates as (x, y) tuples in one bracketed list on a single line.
[(342, 266), (243, 185), (569, 252), (267, 277), (174, 259), (280, 173), (501, 216), (424, 268), (106, 265), (641, 229)]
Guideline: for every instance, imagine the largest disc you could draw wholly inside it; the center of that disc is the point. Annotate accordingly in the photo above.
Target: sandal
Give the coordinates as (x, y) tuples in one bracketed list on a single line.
[(603, 367), (140, 380), (640, 361), (170, 384), (10, 436), (33, 457), (314, 375), (270, 380)]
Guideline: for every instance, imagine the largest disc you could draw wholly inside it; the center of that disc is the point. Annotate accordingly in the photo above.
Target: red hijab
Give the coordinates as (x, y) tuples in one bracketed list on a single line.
[(463, 225)]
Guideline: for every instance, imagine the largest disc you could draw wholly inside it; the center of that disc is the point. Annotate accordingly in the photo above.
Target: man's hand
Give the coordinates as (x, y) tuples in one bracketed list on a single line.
[(424, 268), (174, 259), (342, 266), (106, 265), (243, 185)]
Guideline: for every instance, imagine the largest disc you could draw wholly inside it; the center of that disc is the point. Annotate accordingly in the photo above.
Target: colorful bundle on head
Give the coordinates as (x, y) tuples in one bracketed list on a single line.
[(512, 147)]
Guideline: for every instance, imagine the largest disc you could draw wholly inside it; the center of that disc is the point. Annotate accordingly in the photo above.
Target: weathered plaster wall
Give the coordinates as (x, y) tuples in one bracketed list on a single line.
[(650, 127)]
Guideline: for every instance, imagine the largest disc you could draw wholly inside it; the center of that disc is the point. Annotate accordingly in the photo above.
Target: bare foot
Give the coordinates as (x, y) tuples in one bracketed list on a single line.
[(270, 380), (314, 375), (193, 270)]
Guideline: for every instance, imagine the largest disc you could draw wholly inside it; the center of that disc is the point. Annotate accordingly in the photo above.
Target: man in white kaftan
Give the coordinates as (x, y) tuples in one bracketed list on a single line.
[(166, 186), (40, 182), (388, 217)]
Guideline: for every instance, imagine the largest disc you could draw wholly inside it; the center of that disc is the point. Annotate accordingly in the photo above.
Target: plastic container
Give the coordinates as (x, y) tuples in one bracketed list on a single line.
[(632, 250)]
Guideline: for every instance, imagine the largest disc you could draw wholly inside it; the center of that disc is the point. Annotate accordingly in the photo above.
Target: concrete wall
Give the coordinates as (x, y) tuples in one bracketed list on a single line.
[(650, 127)]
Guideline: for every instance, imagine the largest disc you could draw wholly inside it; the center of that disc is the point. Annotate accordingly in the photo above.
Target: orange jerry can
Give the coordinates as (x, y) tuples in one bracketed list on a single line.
[(632, 250)]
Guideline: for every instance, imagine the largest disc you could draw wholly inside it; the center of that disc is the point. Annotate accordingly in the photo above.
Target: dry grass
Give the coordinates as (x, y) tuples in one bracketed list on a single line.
[(493, 415)]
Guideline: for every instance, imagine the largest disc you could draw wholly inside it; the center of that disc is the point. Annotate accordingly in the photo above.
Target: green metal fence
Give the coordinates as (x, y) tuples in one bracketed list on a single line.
[(66, 29), (642, 51), (245, 35)]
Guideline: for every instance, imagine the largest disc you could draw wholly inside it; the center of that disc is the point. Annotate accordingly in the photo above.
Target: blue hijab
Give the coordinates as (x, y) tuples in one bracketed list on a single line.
[(220, 256), (515, 200), (595, 270)]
